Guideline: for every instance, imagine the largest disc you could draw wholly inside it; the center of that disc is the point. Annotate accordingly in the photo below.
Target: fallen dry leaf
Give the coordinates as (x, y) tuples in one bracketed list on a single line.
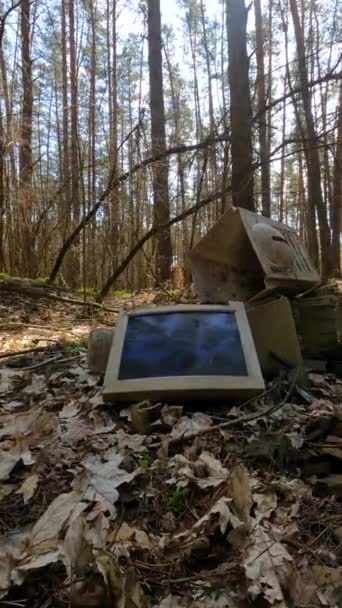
[(267, 567), (205, 472), (44, 533), (28, 487), (316, 586), (6, 380), (70, 410), (123, 584), (37, 386), (99, 480), (32, 426), (76, 549), (187, 426), (170, 414), (9, 550), (219, 514), (8, 460), (215, 472), (265, 505), (6, 489), (133, 443)]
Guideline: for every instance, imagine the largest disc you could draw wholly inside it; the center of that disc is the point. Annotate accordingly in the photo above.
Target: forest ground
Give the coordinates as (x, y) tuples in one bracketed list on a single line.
[(95, 514)]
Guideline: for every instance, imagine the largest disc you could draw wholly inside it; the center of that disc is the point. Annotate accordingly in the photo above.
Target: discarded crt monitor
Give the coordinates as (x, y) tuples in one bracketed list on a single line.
[(188, 351), (245, 254)]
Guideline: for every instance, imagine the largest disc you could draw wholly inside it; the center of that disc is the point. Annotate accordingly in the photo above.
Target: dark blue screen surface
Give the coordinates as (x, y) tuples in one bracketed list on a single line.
[(182, 344)]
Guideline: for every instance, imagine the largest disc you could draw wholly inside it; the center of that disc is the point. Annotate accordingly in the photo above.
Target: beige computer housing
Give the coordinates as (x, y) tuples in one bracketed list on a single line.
[(245, 255), (185, 387)]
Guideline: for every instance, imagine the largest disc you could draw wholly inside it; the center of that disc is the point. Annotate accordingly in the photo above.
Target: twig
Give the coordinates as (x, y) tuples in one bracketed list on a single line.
[(242, 420), (47, 362), (36, 291), (19, 325), (79, 303), (22, 352)]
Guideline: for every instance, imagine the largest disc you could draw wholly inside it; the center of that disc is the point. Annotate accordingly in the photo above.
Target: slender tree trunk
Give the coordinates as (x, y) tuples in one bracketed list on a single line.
[(115, 198), (240, 108), (160, 169), (301, 200), (270, 77), (282, 162), (74, 152), (65, 182), (337, 198), (25, 149), (2, 193), (310, 218), (311, 144), (212, 126), (263, 147), (91, 142), (327, 178), (177, 139)]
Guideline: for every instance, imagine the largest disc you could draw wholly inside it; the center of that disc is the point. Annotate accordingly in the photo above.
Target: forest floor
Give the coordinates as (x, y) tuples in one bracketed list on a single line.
[(96, 515)]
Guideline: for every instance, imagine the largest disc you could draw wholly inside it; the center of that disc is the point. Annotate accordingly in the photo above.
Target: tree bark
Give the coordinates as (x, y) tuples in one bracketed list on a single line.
[(263, 144), (311, 145), (115, 199), (25, 148), (240, 108), (160, 169), (74, 152), (337, 198), (212, 126), (270, 76), (282, 162), (65, 121)]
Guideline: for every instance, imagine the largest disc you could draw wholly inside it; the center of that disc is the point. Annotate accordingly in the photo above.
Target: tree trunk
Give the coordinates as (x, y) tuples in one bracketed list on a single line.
[(91, 143), (263, 147), (311, 145), (2, 193), (115, 198), (337, 198), (160, 169), (74, 152), (212, 126), (240, 108), (282, 161), (25, 149), (310, 217), (65, 182), (270, 77)]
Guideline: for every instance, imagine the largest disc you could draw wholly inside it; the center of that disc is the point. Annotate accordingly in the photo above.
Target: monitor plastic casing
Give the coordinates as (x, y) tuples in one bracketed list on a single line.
[(185, 387)]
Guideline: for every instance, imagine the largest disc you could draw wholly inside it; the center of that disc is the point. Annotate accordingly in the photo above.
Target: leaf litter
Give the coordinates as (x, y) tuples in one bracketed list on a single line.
[(92, 515)]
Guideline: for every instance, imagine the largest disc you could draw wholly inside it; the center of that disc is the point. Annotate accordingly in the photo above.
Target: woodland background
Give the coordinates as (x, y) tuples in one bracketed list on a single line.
[(116, 121)]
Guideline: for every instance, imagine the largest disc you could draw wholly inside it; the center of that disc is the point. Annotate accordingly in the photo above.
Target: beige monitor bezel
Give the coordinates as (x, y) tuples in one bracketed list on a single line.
[(185, 387)]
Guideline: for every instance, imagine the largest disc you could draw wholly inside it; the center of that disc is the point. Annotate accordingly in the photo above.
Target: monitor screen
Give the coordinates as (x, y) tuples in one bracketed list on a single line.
[(185, 343)]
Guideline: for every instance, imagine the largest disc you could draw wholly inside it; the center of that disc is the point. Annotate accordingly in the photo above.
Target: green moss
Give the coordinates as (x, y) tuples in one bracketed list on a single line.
[(121, 293), (76, 347), (5, 276), (43, 280), (178, 501)]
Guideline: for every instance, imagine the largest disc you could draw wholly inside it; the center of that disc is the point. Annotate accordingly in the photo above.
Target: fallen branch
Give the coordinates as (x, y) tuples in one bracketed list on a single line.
[(57, 359), (43, 292), (89, 305), (36, 349), (114, 183), (241, 420), (149, 234)]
